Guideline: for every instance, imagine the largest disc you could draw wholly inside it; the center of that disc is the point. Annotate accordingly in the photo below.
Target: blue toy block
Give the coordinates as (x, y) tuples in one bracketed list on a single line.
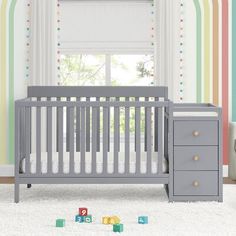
[(88, 219), (79, 219), (143, 220)]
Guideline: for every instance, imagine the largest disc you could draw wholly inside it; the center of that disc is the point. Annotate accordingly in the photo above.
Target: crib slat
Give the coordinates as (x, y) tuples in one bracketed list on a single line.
[(71, 139), (88, 126), (49, 138), (94, 139), (118, 121), (77, 126), (127, 137), (156, 127), (108, 123), (98, 125), (57, 145), (22, 132), (160, 140), (116, 139), (105, 138), (149, 139), (82, 141), (30, 127), (145, 133), (166, 136), (137, 138), (60, 139), (67, 127), (27, 140), (38, 139)]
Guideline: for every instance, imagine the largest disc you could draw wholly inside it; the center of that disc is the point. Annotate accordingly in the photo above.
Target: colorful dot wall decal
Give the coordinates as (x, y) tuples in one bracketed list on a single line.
[(181, 52), (58, 43), (27, 68)]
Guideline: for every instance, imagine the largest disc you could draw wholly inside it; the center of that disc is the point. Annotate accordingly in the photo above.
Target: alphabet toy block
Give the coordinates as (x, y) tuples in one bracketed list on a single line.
[(83, 211), (106, 220), (118, 228), (88, 219), (60, 223), (143, 220), (79, 219), (114, 220)]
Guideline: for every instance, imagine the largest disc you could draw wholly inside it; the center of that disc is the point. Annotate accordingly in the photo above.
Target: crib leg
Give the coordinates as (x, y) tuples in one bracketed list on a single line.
[(29, 185), (17, 193)]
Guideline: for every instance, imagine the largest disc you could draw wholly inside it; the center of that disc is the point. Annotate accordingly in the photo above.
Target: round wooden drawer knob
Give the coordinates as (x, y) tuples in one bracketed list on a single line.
[(196, 184), (196, 133), (196, 158)]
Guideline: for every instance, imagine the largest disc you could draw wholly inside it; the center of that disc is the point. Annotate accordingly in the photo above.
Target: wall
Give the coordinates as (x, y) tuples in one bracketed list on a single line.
[(203, 54)]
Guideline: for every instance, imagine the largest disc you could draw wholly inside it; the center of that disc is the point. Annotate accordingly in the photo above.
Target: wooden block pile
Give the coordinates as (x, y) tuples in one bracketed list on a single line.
[(84, 217)]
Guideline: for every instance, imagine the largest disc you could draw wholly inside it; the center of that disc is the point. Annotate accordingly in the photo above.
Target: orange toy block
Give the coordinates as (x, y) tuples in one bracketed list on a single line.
[(114, 220), (106, 220)]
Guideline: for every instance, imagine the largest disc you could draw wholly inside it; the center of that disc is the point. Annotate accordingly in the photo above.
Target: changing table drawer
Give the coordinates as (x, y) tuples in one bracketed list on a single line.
[(195, 133), (196, 158), (196, 183)]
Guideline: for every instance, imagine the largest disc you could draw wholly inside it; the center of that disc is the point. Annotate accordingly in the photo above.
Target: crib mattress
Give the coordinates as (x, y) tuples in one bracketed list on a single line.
[(99, 162)]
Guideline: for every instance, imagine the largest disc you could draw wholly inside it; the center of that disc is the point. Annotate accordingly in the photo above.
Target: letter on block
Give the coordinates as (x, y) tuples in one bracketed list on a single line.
[(143, 220), (79, 219), (83, 211), (88, 219), (60, 223)]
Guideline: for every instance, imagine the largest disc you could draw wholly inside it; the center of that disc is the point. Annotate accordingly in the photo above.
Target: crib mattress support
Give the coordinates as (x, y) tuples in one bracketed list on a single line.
[(93, 180)]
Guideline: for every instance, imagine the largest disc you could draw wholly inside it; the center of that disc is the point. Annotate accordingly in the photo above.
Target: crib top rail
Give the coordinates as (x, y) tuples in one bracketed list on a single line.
[(27, 102), (97, 91)]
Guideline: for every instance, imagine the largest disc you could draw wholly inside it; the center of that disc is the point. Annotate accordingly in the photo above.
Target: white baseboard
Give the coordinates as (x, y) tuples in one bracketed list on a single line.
[(8, 171), (225, 171)]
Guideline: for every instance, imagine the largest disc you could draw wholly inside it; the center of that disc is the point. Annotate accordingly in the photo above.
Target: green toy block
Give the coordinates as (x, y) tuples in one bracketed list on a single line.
[(88, 219), (60, 223), (118, 228), (79, 219), (143, 220)]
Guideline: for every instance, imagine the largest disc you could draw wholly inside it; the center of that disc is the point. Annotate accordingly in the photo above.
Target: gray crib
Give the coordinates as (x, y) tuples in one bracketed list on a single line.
[(91, 135)]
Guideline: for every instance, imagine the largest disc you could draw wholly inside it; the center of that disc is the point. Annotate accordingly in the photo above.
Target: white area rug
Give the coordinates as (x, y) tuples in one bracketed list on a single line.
[(41, 205)]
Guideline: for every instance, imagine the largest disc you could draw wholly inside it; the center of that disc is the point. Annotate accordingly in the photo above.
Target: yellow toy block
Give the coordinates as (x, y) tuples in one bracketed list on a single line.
[(106, 220), (114, 220)]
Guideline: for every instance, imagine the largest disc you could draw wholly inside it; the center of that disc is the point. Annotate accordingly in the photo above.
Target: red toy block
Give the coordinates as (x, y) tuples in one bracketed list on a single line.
[(83, 211)]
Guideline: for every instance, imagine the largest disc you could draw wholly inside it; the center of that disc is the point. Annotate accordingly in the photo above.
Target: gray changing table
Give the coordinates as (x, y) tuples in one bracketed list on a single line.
[(197, 153)]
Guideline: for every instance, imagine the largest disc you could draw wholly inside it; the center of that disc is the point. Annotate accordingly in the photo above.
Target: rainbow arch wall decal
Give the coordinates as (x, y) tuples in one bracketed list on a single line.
[(214, 90), (11, 81), (3, 83), (198, 51), (7, 14), (233, 61), (210, 88)]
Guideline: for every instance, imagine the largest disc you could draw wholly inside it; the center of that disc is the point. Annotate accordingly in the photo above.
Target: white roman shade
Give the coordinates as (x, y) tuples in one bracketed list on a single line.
[(106, 26)]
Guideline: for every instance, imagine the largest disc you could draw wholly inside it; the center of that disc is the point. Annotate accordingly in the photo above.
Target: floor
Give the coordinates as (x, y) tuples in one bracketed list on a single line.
[(43, 204)]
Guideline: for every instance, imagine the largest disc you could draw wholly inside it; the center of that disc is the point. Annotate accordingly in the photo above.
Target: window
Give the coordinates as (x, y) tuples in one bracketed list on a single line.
[(79, 70), (115, 70), (107, 43)]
